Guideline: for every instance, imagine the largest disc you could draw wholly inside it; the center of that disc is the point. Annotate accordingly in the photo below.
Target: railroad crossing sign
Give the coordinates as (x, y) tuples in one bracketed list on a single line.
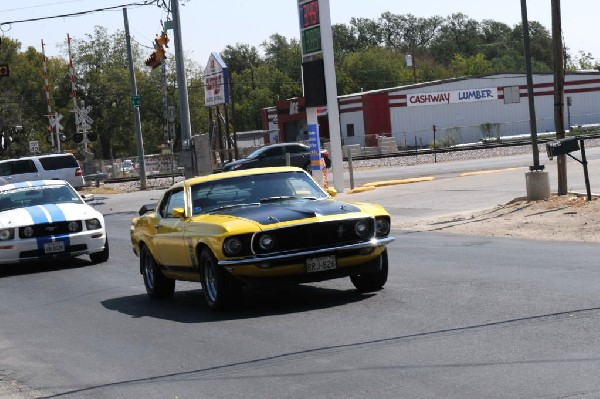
[(83, 122), (55, 122)]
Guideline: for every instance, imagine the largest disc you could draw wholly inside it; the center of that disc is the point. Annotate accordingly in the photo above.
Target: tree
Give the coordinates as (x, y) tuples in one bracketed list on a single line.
[(284, 55), (240, 57), (474, 65), (374, 68), (458, 34)]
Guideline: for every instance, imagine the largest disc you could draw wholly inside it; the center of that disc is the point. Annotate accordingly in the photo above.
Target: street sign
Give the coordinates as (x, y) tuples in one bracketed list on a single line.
[(34, 147), (135, 101)]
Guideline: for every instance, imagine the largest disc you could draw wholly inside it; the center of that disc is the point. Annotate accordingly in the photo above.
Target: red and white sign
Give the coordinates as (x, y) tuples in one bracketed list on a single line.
[(452, 97), (216, 81)]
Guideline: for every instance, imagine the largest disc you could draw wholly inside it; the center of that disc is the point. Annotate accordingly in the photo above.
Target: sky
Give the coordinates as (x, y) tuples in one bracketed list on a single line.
[(209, 26)]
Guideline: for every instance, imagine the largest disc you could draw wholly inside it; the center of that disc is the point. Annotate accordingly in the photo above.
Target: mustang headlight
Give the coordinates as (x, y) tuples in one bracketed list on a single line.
[(73, 226), (27, 232), (266, 242), (382, 226), (362, 229), (7, 234), (232, 246), (93, 224)]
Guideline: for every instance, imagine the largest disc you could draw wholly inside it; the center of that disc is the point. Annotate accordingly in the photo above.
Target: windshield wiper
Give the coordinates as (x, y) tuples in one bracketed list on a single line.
[(220, 208), (277, 198)]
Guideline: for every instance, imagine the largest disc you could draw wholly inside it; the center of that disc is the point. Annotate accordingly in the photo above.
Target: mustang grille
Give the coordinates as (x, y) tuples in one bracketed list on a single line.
[(315, 235), (50, 229)]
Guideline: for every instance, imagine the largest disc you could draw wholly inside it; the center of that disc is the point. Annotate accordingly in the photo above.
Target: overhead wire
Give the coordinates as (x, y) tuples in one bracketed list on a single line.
[(77, 14)]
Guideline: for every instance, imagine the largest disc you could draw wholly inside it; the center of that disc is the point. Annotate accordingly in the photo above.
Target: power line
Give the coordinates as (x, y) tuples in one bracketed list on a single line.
[(77, 14)]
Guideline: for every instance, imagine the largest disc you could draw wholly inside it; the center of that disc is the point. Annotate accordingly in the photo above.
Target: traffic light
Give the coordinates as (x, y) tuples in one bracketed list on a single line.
[(161, 41), (152, 61), (92, 136), (159, 52), (78, 137)]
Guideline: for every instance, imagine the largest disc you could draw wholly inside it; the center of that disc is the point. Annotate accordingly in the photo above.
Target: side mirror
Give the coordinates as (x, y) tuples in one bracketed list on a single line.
[(88, 197), (178, 212), (331, 191), (562, 147), (147, 208)]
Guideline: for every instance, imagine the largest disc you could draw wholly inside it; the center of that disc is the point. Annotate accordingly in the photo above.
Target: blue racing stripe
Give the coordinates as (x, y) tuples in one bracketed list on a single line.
[(37, 214), (56, 214), (39, 217)]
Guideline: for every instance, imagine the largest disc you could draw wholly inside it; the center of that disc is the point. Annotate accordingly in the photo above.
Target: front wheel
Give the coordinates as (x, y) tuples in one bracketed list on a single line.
[(102, 256), (157, 285), (371, 282), (220, 289)]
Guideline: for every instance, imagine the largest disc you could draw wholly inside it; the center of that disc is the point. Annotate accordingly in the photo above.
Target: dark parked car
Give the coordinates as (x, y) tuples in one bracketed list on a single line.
[(275, 155)]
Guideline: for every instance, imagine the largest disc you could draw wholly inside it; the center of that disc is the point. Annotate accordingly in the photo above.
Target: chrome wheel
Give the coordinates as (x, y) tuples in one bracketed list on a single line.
[(157, 285), (219, 287)]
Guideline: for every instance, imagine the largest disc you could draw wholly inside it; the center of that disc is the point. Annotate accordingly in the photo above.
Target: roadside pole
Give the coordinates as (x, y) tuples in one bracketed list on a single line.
[(190, 167), (136, 106)]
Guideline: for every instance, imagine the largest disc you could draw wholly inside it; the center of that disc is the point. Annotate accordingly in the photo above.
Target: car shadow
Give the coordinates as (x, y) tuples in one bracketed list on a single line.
[(190, 307), (42, 266)]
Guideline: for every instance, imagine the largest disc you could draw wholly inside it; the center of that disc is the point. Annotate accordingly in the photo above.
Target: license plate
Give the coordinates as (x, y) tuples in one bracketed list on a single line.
[(320, 263), (52, 247)]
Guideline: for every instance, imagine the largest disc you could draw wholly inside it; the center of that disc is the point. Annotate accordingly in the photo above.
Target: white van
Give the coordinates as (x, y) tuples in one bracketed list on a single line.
[(42, 167)]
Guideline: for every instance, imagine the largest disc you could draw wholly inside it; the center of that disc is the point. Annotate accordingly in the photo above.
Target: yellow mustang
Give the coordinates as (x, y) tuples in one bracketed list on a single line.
[(255, 227)]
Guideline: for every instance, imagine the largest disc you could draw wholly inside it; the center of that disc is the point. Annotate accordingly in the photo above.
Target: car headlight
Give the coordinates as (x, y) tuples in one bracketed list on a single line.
[(7, 234), (362, 229), (93, 224), (382, 226), (266, 242), (27, 232), (74, 226), (232, 246)]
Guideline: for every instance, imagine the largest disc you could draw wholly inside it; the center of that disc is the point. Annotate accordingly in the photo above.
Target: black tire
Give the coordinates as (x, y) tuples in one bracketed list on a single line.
[(220, 289), (102, 256), (371, 282), (308, 168), (157, 285)]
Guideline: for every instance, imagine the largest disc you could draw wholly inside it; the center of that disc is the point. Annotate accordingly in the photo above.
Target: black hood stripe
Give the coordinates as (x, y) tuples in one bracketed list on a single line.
[(286, 211)]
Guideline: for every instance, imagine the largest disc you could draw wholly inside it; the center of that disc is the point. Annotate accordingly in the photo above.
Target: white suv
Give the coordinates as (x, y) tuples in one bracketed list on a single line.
[(42, 167)]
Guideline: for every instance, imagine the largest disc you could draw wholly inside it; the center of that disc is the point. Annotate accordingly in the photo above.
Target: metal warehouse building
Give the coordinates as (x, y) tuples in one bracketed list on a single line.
[(463, 110)]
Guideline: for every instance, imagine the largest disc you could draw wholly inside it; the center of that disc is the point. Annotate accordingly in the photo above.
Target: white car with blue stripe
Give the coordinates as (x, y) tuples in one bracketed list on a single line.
[(47, 219)]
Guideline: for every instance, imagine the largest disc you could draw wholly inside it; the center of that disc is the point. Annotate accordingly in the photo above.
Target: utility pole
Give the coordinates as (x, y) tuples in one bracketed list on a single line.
[(184, 106), (136, 107), (559, 82), (530, 96)]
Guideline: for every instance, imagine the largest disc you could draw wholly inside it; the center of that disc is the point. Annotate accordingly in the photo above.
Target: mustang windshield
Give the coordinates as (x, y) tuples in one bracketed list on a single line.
[(254, 189), (37, 195)]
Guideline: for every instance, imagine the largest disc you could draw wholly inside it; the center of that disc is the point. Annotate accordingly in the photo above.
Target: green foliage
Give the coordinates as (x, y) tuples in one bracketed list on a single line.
[(373, 68), (471, 66)]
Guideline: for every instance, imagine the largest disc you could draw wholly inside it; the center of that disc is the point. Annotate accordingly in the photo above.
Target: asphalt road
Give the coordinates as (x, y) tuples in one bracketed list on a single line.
[(460, 317)]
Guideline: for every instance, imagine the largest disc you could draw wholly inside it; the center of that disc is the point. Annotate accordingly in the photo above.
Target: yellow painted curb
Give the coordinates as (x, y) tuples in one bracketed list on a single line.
[(484, 172), (360, 190), (393, 182)]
